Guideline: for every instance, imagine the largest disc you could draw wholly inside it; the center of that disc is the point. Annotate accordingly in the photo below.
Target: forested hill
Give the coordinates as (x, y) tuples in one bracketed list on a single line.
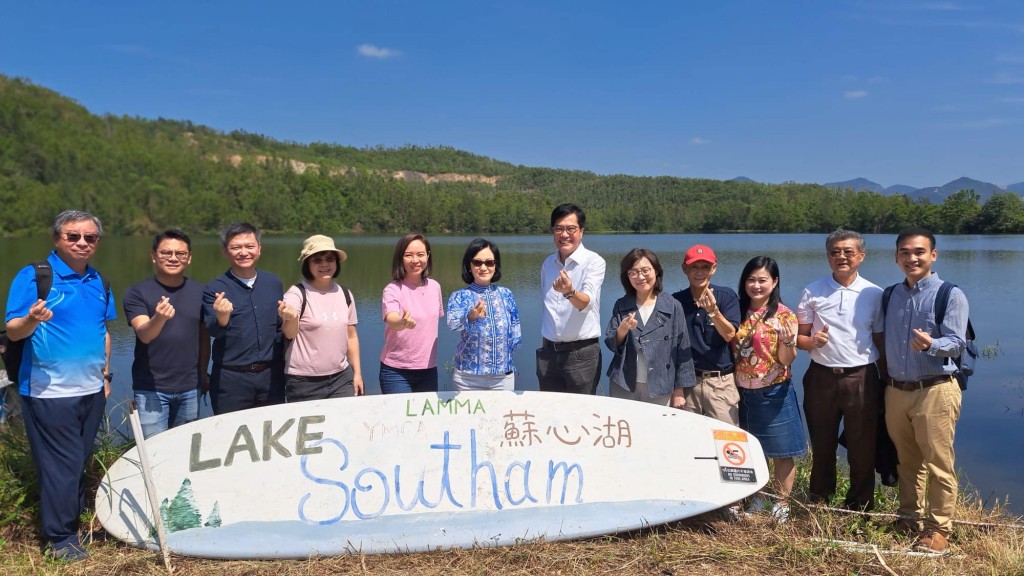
[(141, 175)]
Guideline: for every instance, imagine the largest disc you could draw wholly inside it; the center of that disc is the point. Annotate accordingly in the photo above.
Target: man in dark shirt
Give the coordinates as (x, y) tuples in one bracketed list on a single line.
[(241, 310), (172, 348), (712, 315)]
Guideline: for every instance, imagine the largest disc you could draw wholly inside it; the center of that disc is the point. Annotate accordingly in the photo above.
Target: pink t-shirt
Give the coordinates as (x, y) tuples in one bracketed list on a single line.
[(413, 349), (321, 346)]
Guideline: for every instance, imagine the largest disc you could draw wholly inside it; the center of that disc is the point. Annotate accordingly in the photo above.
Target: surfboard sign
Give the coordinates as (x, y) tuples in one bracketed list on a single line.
[(415, 472)]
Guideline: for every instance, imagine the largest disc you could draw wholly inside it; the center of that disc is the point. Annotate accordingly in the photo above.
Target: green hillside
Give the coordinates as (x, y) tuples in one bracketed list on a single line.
[(140, 175)]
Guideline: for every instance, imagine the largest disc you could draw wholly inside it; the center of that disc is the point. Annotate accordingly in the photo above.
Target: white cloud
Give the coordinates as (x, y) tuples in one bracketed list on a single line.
[(855, 94), (698, 141), (371, 51), (1007, 78)]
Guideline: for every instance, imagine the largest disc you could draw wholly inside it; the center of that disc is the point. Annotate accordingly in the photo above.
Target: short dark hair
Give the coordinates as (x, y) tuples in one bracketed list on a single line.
[(632, 257), (397, 267), (774, 299), (236, 228), (917, 231), (171, 234), (69, 216), (473, 249), (839, 235), (568, 209), (308, 275)]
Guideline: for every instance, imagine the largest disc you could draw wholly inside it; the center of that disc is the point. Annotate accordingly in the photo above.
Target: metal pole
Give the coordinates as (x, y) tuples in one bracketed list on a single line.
[(147, 476)]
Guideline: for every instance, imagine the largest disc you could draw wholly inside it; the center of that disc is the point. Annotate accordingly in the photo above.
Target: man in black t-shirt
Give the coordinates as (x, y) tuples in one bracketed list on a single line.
[(172, 348)]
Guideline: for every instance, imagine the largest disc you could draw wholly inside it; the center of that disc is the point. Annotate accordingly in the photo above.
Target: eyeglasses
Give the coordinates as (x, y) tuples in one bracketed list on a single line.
[(570, 230), (167, 254), (836, 253), (74, 237), (478, 263), (634, 273)]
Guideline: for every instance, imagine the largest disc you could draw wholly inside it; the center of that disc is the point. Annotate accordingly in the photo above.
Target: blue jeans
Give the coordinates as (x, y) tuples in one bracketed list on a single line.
[(772, 415), (159, 411), (398, 380)]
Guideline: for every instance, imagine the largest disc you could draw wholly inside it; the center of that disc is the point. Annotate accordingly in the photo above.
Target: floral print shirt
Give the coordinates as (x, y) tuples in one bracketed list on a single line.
[(487, 343), (756, 349)]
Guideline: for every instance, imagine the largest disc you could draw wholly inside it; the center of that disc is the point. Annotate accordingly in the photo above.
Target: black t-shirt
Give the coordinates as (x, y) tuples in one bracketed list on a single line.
[(710, 351), (170, 363)]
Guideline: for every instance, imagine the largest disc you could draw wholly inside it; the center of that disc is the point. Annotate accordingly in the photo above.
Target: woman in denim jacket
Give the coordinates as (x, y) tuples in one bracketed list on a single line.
[(653, 362)]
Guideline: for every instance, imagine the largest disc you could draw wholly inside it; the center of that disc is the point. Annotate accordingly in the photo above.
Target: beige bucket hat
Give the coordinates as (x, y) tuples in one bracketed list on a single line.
[(320, 243)]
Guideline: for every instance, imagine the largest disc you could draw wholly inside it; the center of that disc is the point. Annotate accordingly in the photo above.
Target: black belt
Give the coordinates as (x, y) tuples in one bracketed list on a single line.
[(841, 369), (254, 367), (713, 373), (568, 346), (919, 384)]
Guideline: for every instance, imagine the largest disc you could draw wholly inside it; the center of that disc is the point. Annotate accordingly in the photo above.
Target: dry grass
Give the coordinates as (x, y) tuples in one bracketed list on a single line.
[(704, 545)]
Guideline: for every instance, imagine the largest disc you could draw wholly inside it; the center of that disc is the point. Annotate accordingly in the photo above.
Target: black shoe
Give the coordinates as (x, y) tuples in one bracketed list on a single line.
[(69, 553)]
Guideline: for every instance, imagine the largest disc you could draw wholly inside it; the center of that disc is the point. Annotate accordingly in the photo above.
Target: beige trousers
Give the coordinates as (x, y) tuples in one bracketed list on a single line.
[(716, 397), (922, 424)]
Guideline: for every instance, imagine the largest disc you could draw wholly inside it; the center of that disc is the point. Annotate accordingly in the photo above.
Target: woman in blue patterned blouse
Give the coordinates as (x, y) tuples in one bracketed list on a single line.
[(486, 317)]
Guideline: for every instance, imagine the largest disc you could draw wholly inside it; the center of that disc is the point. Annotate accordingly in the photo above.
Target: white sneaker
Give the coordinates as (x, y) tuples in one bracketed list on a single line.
[(780, 512), (757, 504)]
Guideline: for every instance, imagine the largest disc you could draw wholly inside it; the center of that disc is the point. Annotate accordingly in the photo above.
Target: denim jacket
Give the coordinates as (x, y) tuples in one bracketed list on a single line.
[(664, 340)]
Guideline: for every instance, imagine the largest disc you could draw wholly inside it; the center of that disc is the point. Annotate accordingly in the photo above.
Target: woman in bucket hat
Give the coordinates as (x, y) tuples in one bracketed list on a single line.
[(322, 360)]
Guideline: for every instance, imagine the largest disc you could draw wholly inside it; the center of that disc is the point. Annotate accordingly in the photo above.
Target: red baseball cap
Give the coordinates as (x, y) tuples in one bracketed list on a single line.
[(699, 252)]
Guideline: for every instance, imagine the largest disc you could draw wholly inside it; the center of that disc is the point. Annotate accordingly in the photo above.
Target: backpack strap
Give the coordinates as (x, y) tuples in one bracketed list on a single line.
[(886, 295), (348, 295), (942, 301), (302, 289), (44, 279)]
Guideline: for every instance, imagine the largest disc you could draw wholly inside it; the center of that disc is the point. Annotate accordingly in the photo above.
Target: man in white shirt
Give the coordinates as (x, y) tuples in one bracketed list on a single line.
[(839, 316), (570, 279)]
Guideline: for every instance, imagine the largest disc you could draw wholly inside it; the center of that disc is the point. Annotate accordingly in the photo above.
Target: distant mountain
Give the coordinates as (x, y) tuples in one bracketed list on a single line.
[(900, 189), (857, 184), (936, 194), (742, 179), (1018, 188)]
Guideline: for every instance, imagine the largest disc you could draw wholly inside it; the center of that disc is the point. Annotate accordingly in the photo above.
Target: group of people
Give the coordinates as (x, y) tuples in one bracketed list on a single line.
[(707, 349)]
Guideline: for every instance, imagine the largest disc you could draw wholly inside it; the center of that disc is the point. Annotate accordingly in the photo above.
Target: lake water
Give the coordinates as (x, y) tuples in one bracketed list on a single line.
[(989, 269)]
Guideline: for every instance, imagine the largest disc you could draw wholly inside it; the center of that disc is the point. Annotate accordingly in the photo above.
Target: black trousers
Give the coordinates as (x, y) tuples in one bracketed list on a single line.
[(61, 433), (577, 370)]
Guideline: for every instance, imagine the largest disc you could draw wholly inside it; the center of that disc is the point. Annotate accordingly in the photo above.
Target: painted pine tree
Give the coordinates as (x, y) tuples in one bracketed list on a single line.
[(183, 513), (213, 519)]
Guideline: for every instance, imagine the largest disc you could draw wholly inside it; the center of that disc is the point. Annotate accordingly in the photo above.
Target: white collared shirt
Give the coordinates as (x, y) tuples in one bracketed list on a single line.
[(561, 321), (852, 313)]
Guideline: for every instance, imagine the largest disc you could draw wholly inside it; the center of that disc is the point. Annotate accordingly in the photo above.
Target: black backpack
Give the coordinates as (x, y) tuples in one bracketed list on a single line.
[(11, 351), (966, 362), (302, 289)]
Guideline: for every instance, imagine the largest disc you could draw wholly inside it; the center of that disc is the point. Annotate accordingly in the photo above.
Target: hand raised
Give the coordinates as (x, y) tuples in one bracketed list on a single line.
[(562, 284), (407, 320), (39, 312), (222, 305), (286, 312), (820, 337), (707, 301), (478, 311), (922, 340), (628, 322), (164, 309)]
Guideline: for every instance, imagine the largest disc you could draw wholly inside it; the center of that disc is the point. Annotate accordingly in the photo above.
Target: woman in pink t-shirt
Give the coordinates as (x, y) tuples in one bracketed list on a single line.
[(319, 318), (411, 306)]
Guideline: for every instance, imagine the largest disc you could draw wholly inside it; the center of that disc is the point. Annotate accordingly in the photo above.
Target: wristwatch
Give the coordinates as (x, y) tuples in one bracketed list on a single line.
[(569, 295), (109, 376)]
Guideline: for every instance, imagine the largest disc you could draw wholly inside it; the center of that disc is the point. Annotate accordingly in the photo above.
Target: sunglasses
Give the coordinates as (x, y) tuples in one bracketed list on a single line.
[(74, 237), (479, 263)]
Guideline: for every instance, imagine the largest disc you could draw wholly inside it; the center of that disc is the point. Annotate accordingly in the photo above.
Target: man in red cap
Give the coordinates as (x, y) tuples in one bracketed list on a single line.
[(712, 315)]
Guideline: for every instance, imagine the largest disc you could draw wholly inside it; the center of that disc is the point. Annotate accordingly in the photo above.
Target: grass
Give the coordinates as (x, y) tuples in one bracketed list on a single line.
[(987, 540)]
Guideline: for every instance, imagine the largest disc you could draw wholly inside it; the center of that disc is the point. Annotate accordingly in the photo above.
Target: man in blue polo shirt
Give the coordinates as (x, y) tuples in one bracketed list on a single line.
[(64, 377), (242, 309)]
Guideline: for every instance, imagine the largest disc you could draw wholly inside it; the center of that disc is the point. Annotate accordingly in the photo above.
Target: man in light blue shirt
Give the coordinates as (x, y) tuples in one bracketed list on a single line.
[(922, 398)]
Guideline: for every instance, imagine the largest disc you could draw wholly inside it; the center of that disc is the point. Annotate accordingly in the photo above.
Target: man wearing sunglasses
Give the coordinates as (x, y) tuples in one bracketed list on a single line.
[(64, 377)]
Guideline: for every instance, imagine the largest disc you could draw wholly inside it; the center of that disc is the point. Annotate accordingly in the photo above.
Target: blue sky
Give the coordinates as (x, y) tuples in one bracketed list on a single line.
[(901, 92)]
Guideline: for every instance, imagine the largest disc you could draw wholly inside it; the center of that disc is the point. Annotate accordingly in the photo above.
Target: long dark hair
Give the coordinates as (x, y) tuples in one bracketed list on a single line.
[(397, 267), (774, 299)]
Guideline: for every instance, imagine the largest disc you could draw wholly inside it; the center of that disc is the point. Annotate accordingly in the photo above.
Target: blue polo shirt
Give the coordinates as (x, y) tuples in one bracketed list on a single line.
[(65, 356)]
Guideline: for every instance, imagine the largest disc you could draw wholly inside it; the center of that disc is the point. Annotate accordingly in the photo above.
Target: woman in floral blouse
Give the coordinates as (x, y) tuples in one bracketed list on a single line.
[(487, 319), (764, 348)]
